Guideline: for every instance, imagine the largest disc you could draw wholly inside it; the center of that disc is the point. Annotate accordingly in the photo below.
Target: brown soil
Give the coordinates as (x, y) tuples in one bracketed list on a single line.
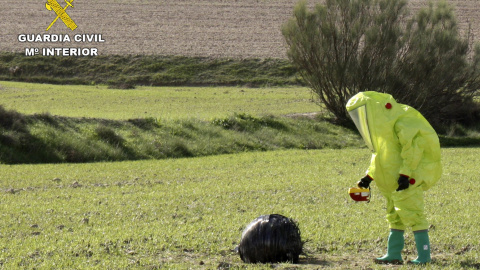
[(213, 28)]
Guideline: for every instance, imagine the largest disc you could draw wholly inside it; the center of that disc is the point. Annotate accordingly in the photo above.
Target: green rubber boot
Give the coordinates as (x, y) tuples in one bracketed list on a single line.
[(423, 247), (394, 249)]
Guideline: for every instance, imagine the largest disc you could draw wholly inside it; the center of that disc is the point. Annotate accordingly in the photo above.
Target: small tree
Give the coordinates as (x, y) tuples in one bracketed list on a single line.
[(433, 71), (347, 46)]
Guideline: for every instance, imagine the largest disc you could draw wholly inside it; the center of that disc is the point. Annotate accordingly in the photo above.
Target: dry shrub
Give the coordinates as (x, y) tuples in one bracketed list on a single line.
[(345, 47)]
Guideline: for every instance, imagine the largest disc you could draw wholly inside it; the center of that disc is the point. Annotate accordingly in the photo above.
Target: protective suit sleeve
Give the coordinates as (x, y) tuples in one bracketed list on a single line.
[(411, 144)]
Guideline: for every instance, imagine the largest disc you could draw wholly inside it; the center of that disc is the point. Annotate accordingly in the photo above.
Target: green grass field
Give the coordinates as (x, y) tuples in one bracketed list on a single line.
[(129, 71), (204, 103), (189, 213), (50, 123)]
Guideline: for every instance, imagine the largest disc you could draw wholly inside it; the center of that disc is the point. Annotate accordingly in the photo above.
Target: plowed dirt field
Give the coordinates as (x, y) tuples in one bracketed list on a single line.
[(213, 28)]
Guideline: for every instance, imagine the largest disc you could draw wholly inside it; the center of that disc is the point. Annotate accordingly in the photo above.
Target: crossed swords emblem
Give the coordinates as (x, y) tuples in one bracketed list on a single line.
[(60, 11)]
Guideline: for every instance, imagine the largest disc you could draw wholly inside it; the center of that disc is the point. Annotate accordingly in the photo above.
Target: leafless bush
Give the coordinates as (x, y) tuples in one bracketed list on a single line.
[(344, 47)]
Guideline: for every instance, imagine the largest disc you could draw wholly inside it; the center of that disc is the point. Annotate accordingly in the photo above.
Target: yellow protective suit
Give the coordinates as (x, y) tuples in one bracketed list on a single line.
[(402, 142)]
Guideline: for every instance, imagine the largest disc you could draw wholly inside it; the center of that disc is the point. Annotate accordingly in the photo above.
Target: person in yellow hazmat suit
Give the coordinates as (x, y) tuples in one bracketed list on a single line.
[(405, 162)]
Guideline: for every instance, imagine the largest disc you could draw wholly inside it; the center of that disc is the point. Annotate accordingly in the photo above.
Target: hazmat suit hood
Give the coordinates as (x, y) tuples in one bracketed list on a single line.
[(400, 138)]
